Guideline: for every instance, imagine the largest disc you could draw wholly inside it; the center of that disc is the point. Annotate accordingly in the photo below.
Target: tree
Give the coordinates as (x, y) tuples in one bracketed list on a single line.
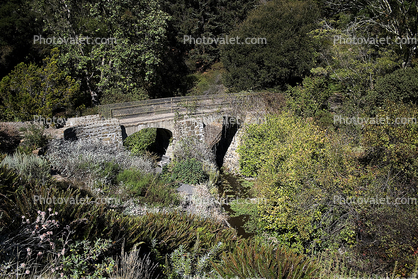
[(197, 19), (286, 57), (31, 90), (395, 18), (126, 64), (18, 26)]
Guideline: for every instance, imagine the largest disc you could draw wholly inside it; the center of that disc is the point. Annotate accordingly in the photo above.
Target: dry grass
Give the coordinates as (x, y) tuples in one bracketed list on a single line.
[(134, 265)]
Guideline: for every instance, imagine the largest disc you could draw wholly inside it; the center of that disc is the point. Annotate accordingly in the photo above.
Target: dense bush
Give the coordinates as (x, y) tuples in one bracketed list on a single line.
[(311, 99), (296, 163), (283, 59), (34, 137), (399, 86), (31, 90), (141, 141), (306, 175), (147, 187), (186, 171)]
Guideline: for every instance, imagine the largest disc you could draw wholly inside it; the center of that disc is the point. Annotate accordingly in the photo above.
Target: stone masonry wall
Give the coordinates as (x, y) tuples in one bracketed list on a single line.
[(91, 127), (189, 128), (231, 158)]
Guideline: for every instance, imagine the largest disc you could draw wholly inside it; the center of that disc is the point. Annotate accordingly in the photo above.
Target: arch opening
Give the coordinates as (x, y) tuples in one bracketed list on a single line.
[(230, 127)]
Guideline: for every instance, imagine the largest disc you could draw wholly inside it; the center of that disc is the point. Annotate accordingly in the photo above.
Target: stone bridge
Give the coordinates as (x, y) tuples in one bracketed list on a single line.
[(214, 119)]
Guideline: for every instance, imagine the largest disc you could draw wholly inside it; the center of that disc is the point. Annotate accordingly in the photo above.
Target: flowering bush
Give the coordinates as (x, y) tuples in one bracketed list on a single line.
[(36, 248)]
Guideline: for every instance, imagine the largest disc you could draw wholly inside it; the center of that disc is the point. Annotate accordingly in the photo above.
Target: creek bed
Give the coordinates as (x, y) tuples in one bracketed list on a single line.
[(230, 188)]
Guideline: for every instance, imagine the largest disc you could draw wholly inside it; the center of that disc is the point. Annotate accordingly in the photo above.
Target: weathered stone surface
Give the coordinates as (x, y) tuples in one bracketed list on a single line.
[(231, 158), (94, 127)]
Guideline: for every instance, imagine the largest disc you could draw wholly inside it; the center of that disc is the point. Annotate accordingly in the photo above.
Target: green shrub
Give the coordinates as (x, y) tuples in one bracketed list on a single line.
[(83, 259), (253, 259), (34, 137), (109, 171), (183, 264), (141, 141), (399, 86), (186, 171), (148, 188)]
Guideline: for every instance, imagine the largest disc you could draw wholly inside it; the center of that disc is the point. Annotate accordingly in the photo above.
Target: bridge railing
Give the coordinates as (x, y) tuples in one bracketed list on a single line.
[(186, 104)]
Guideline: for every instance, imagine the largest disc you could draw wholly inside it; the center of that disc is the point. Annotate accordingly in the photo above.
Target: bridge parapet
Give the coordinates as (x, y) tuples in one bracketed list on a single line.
[(190, 105)]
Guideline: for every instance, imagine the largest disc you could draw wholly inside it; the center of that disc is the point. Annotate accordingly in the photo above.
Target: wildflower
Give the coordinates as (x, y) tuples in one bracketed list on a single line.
[(49, 209), (27, 272), (22, 265), (23, 217), (39, 253)]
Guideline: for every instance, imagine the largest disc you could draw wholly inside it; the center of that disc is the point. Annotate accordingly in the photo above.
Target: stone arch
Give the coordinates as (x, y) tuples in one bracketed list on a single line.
[(162, 140)]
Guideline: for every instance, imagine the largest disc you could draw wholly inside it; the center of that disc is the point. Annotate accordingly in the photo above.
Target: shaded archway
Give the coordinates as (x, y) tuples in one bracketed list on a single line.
[(230, 127), (154, 140), (162, 141)]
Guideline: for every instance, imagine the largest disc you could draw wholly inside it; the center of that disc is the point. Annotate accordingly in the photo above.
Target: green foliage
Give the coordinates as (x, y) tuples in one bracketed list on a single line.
[(141, 141), (351, 69), (295, 164), (128, 63), (311, 99), (211, 19), (148, 188), (109, 172), (209, 82), (34, 137), (183, 264), (31, 90), (255, 259), (186, 171), (393, 146), (399, 86), (83, 259), (283, 59)]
